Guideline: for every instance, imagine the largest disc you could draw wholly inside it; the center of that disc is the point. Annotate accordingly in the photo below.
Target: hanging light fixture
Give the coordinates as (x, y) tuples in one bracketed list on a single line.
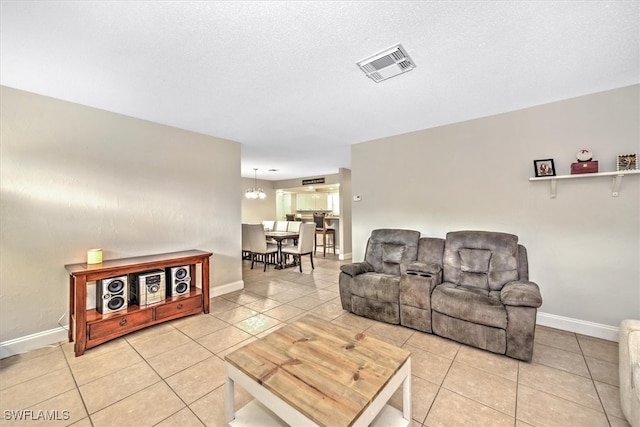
[(255, 192)]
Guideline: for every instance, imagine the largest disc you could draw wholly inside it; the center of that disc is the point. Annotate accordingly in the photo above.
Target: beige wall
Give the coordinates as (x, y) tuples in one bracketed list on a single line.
[(75, 178), (345, 214), (254, 211), (584, 246)]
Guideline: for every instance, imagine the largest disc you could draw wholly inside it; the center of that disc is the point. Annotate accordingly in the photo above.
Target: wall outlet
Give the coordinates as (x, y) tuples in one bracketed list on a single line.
[(357, 198)]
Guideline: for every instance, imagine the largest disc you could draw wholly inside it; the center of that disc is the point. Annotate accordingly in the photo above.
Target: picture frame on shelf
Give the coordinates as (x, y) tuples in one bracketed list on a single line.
[(544, 167), (627, 162)]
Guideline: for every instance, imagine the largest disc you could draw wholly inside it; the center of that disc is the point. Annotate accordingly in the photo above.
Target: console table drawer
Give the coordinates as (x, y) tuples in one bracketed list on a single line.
[(120, 324), (178, 307)]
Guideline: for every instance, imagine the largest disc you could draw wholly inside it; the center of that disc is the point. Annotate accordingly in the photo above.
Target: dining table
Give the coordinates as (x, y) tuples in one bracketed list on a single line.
[(279, 237)]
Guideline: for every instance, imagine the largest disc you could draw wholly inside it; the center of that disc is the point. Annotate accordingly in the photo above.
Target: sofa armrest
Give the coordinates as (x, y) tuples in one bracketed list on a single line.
[(629, 369), (356, 268), (521, 293), (634, 361)]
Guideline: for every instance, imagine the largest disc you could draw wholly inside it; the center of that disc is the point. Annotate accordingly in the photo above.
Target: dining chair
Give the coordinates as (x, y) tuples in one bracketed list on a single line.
[(324, 231), (304, 246), (280, 226), (260, 247), (294, 226)]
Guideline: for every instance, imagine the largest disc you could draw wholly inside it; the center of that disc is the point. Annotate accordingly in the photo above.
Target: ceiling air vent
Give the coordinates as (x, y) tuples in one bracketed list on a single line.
[(386, 64)]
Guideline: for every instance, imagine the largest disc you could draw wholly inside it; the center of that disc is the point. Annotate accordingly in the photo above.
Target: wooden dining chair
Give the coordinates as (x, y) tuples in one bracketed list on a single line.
[(324, 231)]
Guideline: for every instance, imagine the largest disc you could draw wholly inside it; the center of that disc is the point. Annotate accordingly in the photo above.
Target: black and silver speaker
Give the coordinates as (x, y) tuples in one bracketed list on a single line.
[(179, 282), (111, 294)]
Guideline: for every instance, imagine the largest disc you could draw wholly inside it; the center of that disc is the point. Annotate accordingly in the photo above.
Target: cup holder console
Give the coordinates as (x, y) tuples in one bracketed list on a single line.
[(418, 273)]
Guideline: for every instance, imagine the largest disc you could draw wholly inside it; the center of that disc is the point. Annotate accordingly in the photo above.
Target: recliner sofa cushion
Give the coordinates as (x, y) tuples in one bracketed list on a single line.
[(377, 287), (430, 250), (502, 264), (383, 311), (485, 337), (392, 252), (388, 248), (469, 303), (474, 260), (476, 280)]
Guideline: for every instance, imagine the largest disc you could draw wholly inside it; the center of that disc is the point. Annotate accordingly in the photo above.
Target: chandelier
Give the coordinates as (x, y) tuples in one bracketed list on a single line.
[(255, 192)]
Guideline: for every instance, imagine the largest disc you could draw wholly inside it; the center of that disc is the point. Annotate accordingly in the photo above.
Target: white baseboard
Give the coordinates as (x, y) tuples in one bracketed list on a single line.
[(342, 257), (578, 326), (33, 342), (225, 289)]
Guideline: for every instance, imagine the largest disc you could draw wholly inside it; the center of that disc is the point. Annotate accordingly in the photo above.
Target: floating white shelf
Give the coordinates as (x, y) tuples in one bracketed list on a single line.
[(615, 190)]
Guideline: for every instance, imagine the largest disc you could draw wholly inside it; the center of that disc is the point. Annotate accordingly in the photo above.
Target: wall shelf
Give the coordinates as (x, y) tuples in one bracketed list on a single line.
[(615, 185)]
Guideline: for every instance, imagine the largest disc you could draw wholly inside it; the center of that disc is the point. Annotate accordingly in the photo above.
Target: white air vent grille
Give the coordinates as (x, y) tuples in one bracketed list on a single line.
[(386, 64)]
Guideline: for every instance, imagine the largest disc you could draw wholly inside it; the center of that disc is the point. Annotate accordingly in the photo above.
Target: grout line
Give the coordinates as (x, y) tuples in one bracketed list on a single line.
[(593, 381), (515, 415), (77, 387)]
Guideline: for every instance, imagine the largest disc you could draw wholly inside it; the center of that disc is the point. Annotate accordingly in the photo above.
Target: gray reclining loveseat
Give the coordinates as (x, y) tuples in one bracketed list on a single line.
[(472, 287)]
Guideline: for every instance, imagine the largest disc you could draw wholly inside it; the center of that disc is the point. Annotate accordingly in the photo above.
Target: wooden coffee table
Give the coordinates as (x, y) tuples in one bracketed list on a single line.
[(313, 372)]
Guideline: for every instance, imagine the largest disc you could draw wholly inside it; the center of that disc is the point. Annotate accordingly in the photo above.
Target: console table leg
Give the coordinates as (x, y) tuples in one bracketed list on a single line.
[(80, 326), (205, 285), (72, 305)]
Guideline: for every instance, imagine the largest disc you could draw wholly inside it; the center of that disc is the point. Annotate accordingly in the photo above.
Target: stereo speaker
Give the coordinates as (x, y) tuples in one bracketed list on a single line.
[(111, 294), (179, 282)]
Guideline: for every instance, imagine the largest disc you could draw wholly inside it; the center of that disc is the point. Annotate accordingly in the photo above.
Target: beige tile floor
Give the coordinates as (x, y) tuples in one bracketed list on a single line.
[(172, 374)]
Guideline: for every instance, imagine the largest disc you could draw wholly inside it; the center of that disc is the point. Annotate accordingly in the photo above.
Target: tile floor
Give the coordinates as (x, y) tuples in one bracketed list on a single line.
[(172, 374)]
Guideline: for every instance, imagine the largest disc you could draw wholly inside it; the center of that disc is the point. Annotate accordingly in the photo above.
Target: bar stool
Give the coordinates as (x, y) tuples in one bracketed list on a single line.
[(321, 229)]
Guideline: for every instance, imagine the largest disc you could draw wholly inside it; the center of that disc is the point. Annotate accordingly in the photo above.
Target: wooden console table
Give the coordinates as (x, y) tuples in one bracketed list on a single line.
[(88, 328)]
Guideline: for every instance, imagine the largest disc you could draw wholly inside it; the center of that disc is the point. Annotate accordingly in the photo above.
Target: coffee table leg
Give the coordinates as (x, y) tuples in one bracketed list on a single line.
[(229, 402), (406, 398)]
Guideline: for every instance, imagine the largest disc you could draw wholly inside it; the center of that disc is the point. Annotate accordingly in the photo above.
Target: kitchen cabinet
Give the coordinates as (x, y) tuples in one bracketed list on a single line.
[(311, 201)]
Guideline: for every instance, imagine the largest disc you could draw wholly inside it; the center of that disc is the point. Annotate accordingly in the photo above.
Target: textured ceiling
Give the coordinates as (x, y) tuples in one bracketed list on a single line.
[(281, 77)]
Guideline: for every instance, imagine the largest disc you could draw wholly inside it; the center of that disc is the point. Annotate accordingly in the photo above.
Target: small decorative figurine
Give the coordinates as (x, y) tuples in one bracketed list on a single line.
[(585, 164), (584, 156)]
